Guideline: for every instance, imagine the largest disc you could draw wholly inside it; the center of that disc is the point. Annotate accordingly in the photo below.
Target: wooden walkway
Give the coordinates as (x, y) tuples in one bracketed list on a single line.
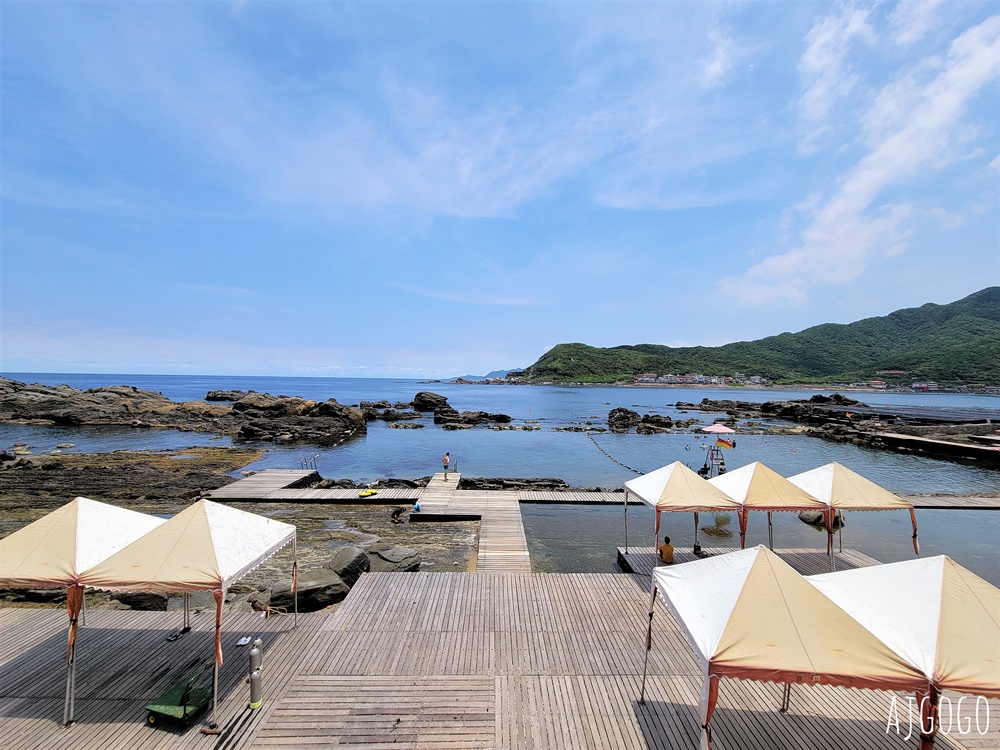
[(574, 496), (952, 502), (428, 661), (277, 485), (258, 486), (503, 548), (642, 560)]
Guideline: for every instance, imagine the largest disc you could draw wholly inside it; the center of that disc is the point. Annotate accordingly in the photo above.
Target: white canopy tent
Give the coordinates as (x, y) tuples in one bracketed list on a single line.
[(55, 550), (938, 616), (749, 615), (206, 547), (676, 488), (757, 487), (842, 490)]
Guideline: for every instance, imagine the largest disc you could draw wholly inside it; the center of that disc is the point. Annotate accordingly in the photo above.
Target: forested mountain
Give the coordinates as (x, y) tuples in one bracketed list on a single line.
[(957, 343)]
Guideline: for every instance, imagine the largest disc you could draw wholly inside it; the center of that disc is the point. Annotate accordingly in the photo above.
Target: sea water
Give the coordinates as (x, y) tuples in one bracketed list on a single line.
[(571, 538)]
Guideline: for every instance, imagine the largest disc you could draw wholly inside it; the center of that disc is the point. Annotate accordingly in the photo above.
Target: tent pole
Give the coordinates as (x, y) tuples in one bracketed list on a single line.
[(187, 614), (625, 514), (74, 604), (67, 714), (656, 538), (215, 693), (72, 691), (645, 661), (220, 598), (295, 574), (770, 533), (786, 697)]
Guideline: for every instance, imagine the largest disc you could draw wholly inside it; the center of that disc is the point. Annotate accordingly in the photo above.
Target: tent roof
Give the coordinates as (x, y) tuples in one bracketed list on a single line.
[(844, 489), (676, 487), (207, 546), (936, 614), (749, 615), (719, 429), (54, 550), (759, 488)]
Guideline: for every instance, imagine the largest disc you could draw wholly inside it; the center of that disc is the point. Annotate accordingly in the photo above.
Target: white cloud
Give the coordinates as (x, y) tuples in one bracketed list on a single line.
[(851, 230), (719, 62), (827, 79), (910, 21)]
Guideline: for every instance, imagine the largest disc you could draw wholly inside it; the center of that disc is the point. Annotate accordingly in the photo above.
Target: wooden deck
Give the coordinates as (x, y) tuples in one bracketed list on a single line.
[(279, 485), (449, 661), (503, 548), (988, 454), (953, 502), (642, 560), (258, 486), (575, 496), (124, 662)]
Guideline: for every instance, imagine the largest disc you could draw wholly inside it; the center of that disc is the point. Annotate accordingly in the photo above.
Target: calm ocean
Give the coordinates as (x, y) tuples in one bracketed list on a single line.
[(575, 538)]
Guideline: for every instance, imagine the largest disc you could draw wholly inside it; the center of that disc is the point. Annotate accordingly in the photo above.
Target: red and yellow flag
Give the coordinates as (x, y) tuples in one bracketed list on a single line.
[(723, 443)]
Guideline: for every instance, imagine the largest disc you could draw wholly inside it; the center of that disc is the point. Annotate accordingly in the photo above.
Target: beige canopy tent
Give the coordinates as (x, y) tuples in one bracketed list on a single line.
[(55, 550), (676, 488), (938, 616), (842, 490), (757, 487), (206, 547), (749, 615)]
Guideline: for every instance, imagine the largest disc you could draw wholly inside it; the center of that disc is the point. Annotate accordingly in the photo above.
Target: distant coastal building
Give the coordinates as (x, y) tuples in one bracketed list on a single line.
[(876, 384), (696, 378), (925, 387), (892, 372)]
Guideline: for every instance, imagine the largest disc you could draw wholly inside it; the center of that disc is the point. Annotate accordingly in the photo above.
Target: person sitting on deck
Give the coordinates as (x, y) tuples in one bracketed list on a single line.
[(416, 506), (666, 551)]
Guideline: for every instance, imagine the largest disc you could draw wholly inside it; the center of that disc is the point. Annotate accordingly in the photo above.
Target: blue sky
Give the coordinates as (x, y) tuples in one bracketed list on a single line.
[(428, 189)]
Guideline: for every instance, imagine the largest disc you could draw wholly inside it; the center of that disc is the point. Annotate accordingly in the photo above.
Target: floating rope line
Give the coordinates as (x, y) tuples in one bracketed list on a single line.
[(636, 471)]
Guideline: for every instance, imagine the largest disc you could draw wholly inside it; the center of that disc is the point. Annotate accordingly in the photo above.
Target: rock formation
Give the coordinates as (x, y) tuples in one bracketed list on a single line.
[(621, 419), (254, 416)]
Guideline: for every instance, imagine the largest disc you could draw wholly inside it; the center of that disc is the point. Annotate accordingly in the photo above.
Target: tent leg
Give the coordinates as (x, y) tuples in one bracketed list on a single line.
[(187, 613), (770, 533), (645, 661), (625, 514), (786, 697), (215, 694), (697, 547), (83, 608), (70, 688), (295, 575)]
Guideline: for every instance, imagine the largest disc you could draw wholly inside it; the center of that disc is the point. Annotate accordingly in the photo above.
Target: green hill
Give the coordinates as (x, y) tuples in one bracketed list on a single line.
[(951, 344)]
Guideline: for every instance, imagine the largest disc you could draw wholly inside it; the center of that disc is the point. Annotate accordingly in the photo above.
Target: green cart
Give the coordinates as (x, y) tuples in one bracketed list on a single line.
[(183, 700)]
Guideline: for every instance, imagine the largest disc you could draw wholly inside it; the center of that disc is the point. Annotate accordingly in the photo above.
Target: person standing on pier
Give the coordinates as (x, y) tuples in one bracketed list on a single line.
[(446, 462)]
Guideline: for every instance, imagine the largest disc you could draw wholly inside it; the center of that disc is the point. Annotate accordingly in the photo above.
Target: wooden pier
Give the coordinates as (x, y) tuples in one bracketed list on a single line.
[(642, 560), (260, 485), (503, 547), (428, 661)]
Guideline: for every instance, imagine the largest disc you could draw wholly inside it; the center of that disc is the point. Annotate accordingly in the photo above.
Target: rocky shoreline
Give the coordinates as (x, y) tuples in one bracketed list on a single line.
[(244, 415)]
